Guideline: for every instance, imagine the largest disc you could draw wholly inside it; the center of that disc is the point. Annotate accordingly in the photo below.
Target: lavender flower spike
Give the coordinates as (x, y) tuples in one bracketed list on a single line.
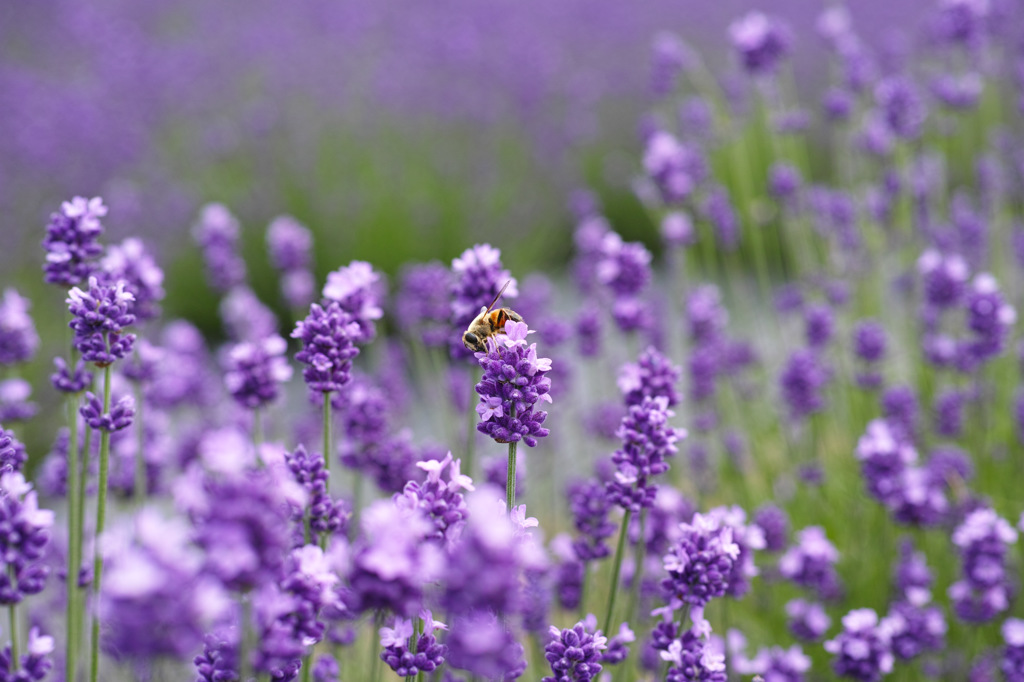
[(18, 337), (513, 383), (355, 287), (328, 335), (70, 241), (255, 371), (99, 316), (862, 650), (575, 653)]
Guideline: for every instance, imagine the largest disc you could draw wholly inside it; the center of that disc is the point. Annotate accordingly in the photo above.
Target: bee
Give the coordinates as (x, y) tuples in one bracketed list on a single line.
[(488, 323)]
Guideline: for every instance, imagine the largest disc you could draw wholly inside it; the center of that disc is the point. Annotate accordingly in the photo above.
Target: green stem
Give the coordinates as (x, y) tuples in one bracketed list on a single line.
[(74, 542), (613, 588), (83, 482), (12, 610), (101, 517), (141, 479), (638, 571), (378, 619), (247, 640), (467, 461), (510, 479), (257, 431), (583, 591)]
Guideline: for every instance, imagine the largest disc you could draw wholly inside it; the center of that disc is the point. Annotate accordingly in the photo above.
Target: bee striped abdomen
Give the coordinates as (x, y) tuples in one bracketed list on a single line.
[(498, 319)]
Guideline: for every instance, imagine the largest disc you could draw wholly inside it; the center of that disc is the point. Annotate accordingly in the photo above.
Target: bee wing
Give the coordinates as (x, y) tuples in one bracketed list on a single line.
[(505, 286)]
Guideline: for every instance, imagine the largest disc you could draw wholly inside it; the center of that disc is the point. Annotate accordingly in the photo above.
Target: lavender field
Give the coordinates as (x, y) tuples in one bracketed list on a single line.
[(585, 344)]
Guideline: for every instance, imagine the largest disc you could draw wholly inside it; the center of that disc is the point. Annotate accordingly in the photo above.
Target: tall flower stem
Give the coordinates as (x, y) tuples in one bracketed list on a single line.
[(13, 612), (74, 543), (82, 462), (510, 478), (613, 588), (328, 436), (471, 422), (101, 517), (638, 572), (141, 479), (246, 644)]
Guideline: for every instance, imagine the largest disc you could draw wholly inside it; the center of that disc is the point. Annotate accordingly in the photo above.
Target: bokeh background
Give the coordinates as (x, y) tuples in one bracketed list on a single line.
[(395, 130)]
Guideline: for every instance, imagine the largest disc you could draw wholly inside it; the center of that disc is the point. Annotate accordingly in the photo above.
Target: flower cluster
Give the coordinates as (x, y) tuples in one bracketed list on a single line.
[(478, 276), (289, 245), (357, 289), (647, 442), (217, 233), (862, 650), (328, 336), (24, 535), (700, 563), (442, 502), (254, 371), (18, 337), (70, 242), (99, 316), (324, 514), (512, 384), (424, 655), (984, 590), (575, 653)]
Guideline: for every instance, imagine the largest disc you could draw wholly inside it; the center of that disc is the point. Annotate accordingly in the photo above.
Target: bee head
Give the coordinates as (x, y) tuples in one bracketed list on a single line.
[(473, 342)]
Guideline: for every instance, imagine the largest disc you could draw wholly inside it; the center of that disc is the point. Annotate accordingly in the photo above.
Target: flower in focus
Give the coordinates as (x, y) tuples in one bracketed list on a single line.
[(512, 384), (328, 336), (358, 290), (70, 242), (99, 316)]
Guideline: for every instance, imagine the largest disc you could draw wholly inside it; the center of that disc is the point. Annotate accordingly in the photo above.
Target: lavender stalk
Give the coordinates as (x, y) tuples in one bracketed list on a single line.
[(101, 516)]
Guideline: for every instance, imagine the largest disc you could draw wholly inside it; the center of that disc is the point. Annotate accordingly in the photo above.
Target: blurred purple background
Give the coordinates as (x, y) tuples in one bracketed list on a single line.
[(137, 101)]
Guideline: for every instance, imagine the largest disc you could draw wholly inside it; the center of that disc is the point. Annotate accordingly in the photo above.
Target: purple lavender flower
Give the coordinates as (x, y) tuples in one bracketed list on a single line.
[(700, 562), (255, 370), (811, 563), (670, 56), (802, 381), (625, 267), (706, 317), (784, 181), (35, 664), (18, 337), (155, 601), (394, 563), (589, 505), (693, 659), (863, 649), (900, 409), (422, 302), (774, 522), (289, 244), (647, 442), (70, 241), (819, 325), (12, 452), (358, 289), (325, 515), (677, 229), (181, 370), (653, 375), (761, 42), (617, 650), (480, 644), (982, 541), (513, 383), (478, 275), (901, 105), (915, 629), (948, 412), (328, 336), (441, 501), (244, 316), (241, 521), (588, 328), (424, 656), (748, 538), (944, 277), (483, 568), (807, 620), (1012, 664), (24, 534), (989, 318), (884, 456), (326, 669), (676, 169), (217, 233), (912, 577), (720, 212), (15, 405), (131, 263), (99, 317), (119, 417), (962, 21), (575, 653)]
